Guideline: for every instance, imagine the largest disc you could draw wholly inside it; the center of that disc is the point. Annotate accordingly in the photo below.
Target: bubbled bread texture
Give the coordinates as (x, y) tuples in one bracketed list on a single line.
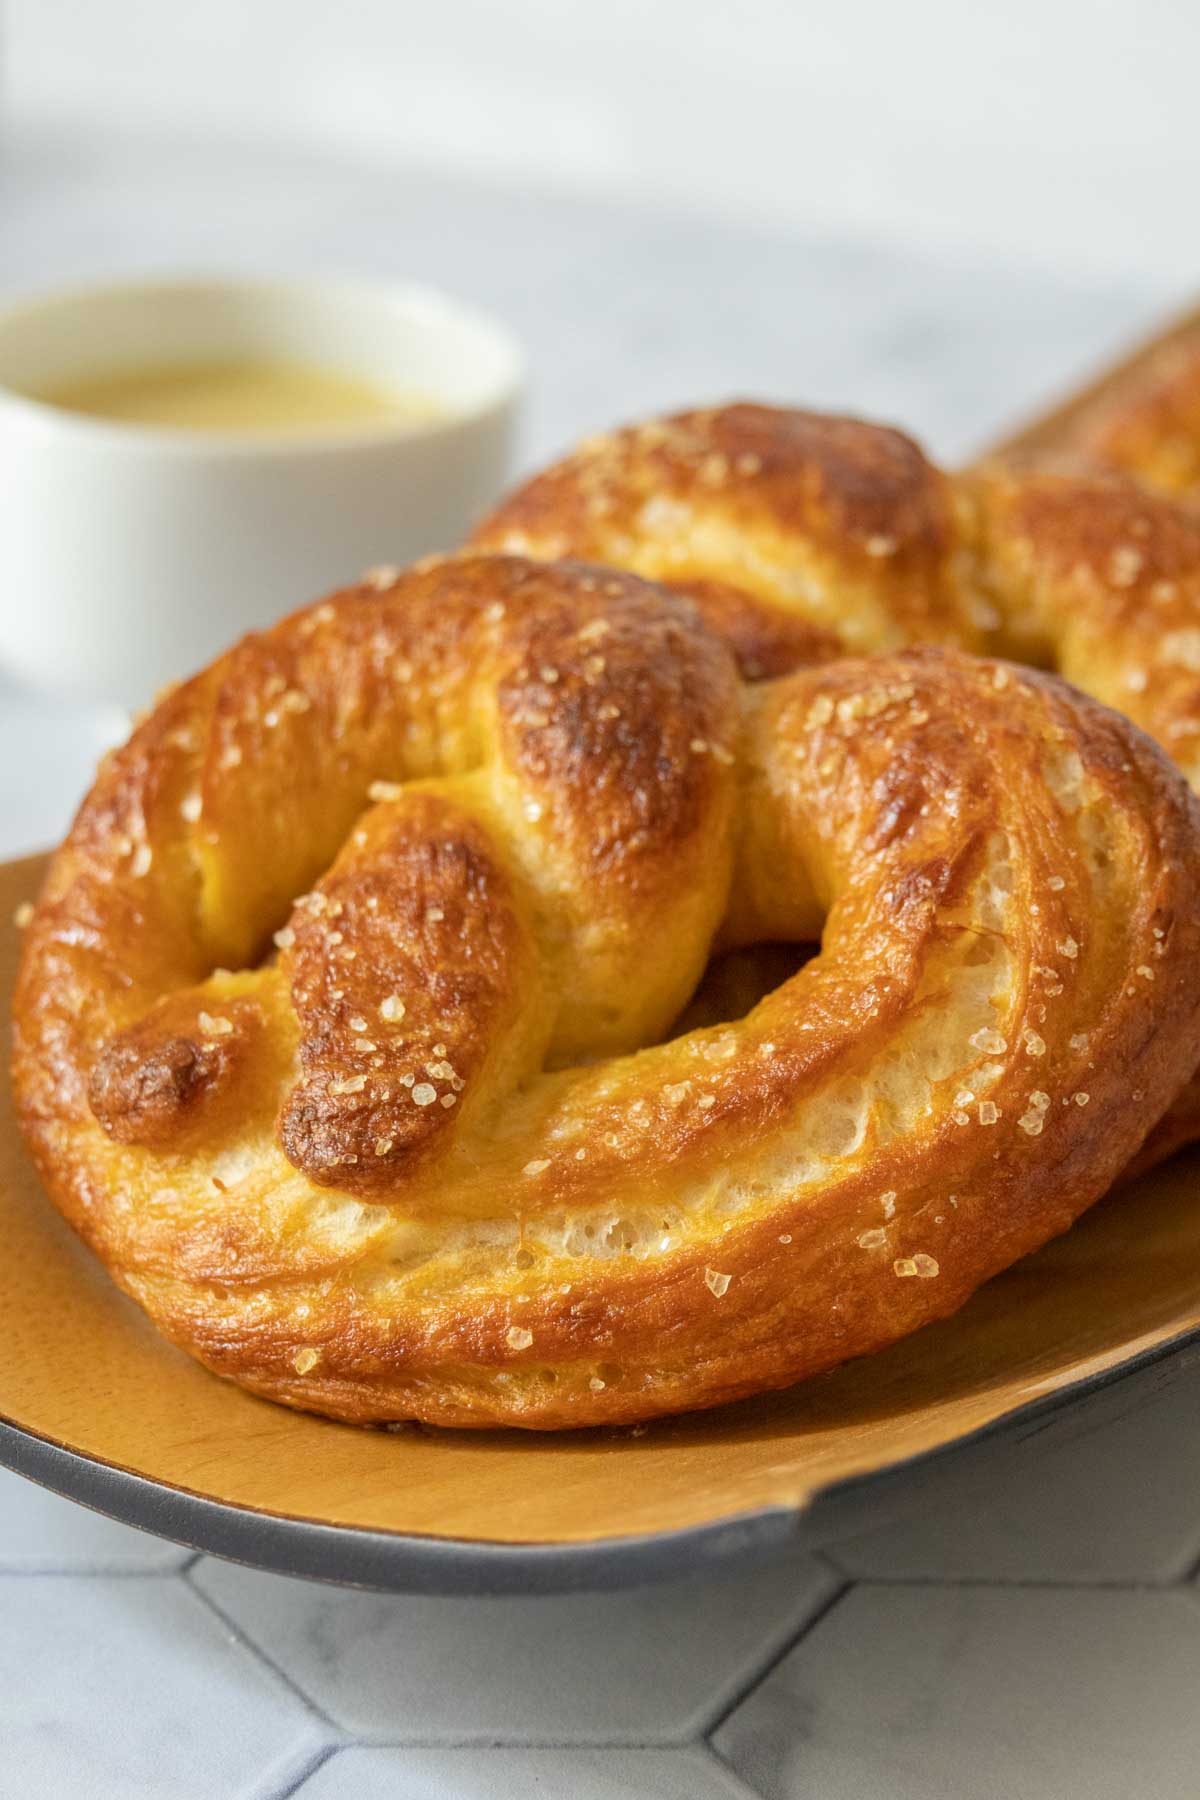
[(344, 1024)]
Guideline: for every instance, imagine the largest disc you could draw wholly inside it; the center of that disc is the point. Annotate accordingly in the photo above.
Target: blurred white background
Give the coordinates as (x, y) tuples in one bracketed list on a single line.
[(1061, 132)]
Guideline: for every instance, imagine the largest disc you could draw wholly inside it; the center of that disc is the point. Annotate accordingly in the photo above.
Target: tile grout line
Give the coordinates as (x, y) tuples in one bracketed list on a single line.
[(1025, 1584), (771, 1646), (93, 1572), (764, 1670), (315, 1763), (256, 1650), (697, 1746), (568, 1746), (713, 1755)]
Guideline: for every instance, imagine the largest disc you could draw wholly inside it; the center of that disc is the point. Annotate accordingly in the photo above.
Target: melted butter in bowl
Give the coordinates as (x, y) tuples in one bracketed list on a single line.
[(249, 395)]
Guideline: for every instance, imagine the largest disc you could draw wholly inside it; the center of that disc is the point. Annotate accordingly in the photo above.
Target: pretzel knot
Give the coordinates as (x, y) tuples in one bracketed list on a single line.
[(420, 1142)]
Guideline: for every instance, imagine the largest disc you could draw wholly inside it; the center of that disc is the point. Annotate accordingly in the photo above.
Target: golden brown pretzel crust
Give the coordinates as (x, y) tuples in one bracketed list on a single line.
[(820, 535), (1149, 425), (1100, 580), (1048, 561), (427, 1154)]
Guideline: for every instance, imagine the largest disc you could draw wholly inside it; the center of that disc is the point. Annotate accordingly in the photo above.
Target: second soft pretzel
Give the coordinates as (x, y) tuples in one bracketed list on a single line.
[(803, 536), (1148, 423)]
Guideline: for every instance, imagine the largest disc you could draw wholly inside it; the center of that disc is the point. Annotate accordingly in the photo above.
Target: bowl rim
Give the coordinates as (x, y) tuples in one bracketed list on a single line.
[(413, 299)]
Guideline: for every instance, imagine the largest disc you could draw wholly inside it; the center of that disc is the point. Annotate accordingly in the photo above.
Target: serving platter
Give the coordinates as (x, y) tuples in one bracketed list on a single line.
[(94, 1404)]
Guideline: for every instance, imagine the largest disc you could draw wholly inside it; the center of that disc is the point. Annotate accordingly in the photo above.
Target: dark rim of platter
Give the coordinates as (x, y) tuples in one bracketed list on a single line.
[(357, 1557)]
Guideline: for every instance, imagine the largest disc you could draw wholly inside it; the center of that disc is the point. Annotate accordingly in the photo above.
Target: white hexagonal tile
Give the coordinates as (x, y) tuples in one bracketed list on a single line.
[(373, 1774), (128, 1688), (1118, 1503), (651, 1666), (980, 1693), (40, 1532)]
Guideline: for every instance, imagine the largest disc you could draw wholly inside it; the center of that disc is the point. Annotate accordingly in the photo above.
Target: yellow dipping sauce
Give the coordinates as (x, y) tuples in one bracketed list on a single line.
[(250, 396)]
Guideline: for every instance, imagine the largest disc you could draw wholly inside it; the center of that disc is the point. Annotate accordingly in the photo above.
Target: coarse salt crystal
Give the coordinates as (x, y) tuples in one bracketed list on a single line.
[(386, 575), (1125, 565), (351, 1084), (921, 1264)]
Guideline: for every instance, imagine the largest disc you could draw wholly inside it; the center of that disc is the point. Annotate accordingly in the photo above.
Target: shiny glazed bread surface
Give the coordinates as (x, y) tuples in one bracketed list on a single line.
[(792, 526), (343, 1029), (1149, 424)]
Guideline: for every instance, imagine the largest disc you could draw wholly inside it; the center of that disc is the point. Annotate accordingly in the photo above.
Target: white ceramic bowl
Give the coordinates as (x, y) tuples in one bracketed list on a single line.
[(131, 554)]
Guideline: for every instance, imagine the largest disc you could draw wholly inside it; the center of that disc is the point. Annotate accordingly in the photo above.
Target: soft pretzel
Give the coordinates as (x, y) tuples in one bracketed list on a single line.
[(845, 528), (343, 1024), (1148, 424)]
